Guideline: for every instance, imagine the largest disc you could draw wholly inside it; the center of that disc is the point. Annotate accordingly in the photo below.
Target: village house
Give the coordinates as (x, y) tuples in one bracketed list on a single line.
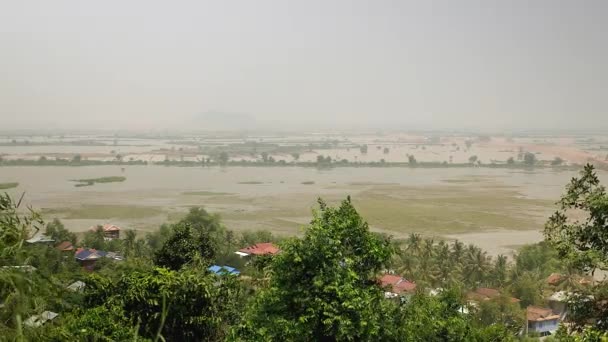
[(264, 248), (397, 286), (541, 320), (65, 246), (39, 320), (40, 239), (221, 270), (484, 294), (110, 231), (89, 257)]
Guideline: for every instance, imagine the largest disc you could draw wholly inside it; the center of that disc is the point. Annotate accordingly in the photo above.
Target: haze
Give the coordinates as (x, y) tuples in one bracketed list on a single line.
[(285, 64)]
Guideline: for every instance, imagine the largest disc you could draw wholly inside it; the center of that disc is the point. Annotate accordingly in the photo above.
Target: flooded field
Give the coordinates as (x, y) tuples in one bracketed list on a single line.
[(498, 209)]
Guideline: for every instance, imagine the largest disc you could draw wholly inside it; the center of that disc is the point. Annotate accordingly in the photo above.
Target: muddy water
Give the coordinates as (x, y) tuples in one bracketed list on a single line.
[(48, 182), (163, 187)]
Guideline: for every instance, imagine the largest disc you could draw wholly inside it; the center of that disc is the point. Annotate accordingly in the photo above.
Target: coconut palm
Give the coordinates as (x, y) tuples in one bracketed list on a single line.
[(413, 243), (476, 267), (457, 251), (499, 272), (129, 243)]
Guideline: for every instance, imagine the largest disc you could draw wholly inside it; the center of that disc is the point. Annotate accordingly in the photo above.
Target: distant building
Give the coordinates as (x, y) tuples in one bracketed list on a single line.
[(39, 320), (110, 231), (65, 246), (40, 239), (89, 257), (76, 286), (221, 270), (264, 248), (542, 320), (484, 294), (396, 286)]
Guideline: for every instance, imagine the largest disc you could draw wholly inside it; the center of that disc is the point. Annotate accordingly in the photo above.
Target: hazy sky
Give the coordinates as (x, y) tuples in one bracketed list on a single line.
[(421, 64)]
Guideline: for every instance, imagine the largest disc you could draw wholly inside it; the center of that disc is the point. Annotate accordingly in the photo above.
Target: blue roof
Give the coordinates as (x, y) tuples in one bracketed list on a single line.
[(88, 254), (223, 270)]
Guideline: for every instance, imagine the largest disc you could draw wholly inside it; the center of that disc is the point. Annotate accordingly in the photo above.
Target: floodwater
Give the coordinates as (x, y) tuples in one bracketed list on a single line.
[(165, 187)]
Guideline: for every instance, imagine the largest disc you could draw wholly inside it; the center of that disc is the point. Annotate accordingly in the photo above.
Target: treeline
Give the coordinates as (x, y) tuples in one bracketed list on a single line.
[(321, 162), (67, 162)]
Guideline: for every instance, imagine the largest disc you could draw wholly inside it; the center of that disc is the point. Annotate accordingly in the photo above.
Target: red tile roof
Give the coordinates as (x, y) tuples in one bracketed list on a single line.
[(264, 248), (397, 283), (536, 314), (65, 246)]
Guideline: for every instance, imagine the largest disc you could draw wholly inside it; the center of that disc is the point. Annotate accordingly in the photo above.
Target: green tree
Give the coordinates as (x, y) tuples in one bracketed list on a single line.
[(323, 285), (411, 159), (223, 158), (528, 288), (363, 149), (183, 247), (529, 158), (472, 159), (510, 161), (500, 311), (129, 243), (56, 230), (583, 243), (437, 319), (190, 305), (557, 161), (265, 157), (95, 239)]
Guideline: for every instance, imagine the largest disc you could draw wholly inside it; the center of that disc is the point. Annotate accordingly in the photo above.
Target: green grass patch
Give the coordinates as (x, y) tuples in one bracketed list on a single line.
[(5, 186), (308, 183), (251, 182), (99, 212), (92, 181), (445, 211), (205, 193)]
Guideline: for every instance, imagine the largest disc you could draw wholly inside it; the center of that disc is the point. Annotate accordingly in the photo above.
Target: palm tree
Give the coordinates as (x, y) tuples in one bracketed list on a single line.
[(407, 266), (428, 249), (429, 273), (476, 266), (413, 243), (129, 243), (499, 273), (457, 251)]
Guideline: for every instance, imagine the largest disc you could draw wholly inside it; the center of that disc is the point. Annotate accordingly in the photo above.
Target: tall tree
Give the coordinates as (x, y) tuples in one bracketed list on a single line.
[(183, 247), (582, 241), (56, 230), (323, 285)]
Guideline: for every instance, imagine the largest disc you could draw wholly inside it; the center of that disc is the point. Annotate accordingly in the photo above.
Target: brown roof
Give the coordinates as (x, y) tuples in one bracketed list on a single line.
[(65, 246), (107, 228), (484, 293), (554, 279), (397, 283), (536, 314), (264, 248)]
